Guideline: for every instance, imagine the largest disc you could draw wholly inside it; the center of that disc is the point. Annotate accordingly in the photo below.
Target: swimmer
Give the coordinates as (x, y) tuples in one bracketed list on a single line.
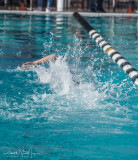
[(30, 65)]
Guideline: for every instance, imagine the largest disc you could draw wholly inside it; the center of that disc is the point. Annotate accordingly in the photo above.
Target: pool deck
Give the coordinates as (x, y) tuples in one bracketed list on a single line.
[(68, 13)]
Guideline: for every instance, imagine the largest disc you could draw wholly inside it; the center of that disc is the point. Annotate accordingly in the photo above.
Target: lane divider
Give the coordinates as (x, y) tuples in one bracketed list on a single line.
[(115, 55)]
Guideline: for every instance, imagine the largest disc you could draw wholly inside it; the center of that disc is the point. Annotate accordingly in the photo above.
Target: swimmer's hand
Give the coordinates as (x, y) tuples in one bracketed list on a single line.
[(28, 66)]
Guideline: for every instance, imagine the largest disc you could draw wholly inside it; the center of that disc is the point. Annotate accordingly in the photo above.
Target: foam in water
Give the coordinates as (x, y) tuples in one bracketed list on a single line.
[(61, 81), (57, 75)]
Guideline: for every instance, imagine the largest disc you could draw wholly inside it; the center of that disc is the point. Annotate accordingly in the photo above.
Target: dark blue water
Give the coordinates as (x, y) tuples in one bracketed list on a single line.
[(45, 113)]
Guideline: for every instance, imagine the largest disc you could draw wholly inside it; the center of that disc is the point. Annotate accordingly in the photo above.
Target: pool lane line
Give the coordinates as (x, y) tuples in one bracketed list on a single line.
[(115, 55)]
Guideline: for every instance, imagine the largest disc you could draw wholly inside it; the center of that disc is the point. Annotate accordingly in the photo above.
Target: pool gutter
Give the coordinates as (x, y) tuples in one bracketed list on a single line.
[(89, 14)]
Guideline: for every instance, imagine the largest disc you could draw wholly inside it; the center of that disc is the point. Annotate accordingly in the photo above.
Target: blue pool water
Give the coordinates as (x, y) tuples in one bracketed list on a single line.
[(44, 113)]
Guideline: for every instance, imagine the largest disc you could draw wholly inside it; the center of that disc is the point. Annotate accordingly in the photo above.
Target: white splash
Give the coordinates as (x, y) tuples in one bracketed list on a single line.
[(57, 75)]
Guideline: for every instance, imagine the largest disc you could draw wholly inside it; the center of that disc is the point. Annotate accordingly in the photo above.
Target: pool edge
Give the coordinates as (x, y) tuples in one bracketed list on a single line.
[(89, 14)]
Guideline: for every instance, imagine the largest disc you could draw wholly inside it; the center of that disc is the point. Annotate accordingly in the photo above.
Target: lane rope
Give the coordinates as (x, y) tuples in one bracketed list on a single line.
[(107, 48)]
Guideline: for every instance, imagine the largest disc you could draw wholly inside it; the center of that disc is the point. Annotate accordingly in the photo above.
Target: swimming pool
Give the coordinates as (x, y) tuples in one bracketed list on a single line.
[(44, 114)]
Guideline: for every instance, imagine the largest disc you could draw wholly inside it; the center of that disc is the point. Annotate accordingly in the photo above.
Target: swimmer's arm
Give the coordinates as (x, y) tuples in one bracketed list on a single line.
[(45, 59), (38, 62)]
